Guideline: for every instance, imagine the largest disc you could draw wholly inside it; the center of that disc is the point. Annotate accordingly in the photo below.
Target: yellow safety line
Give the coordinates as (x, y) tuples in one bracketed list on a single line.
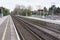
[(3, 37)]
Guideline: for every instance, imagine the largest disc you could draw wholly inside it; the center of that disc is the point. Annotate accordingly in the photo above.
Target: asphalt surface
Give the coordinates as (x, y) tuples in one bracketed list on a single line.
[(7, 31), (2, 27)]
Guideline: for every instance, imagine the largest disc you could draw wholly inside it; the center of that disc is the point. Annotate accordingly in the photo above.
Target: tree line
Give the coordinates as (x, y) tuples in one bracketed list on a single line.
[(54, 9), (21, 10), (5, 11)]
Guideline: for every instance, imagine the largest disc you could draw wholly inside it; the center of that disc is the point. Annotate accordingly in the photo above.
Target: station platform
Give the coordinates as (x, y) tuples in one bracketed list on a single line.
[(42, 19), (8, 30)]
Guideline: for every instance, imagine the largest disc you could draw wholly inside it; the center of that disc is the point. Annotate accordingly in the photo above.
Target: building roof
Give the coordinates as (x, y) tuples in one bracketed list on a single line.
[(2, 8), (40, 9)]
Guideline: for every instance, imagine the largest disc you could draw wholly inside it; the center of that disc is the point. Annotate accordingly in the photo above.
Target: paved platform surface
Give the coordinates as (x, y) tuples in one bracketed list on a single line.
[(7, 29), (41, 19), (2, 19)]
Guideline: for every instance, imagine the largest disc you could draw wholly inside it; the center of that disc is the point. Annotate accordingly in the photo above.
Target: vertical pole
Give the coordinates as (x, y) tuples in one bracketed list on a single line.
[(43, 13), (40, 13), (47, 13), (1, 12), (26, 13), (36, 14), (31, 14)]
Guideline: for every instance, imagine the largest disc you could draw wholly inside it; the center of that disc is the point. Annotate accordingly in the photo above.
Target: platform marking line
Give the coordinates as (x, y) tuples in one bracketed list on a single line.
[(4, 33), (15, 29)]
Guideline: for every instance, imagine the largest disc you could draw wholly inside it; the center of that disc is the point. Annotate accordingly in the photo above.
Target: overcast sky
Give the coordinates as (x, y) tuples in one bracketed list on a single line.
[(10, 4)]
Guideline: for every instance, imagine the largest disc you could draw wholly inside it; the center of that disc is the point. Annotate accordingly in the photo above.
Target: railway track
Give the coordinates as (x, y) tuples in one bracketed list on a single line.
[(24, 33), (39, 34), (44, 25)]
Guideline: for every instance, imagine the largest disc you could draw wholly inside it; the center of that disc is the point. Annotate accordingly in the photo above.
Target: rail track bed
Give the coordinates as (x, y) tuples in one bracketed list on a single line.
[(27, 31), (47, 25)]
